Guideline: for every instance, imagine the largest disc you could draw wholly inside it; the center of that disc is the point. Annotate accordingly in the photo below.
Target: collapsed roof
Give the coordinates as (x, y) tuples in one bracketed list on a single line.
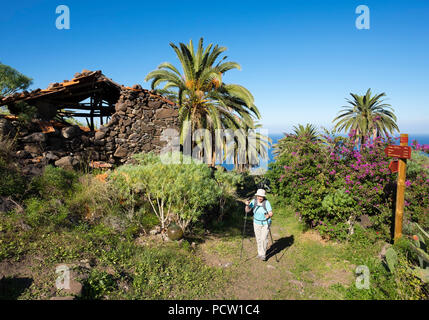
[(101, 92), (91, 91)]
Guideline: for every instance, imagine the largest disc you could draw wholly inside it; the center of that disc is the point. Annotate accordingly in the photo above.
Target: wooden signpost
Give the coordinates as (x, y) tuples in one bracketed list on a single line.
[(393, 166), (402, 152)]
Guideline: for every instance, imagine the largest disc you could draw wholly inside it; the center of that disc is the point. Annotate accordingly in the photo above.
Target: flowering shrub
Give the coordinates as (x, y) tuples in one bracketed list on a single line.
[(420, 147), (332, 182)]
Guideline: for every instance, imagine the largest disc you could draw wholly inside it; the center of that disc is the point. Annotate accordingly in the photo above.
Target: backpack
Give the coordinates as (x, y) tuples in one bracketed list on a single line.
[(262, 205)]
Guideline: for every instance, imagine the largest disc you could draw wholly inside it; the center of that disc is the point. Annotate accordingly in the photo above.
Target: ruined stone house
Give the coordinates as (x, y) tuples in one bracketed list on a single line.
[(131, 121)]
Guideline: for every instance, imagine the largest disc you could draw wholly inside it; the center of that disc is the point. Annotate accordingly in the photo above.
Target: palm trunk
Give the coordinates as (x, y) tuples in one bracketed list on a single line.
[(213, 143)]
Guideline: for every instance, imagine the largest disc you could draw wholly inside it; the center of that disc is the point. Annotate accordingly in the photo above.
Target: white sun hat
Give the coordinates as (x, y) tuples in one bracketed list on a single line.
[(260, 192)]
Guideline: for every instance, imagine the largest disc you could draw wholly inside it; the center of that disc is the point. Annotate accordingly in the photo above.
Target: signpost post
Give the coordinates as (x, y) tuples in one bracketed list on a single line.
[(402, 152)]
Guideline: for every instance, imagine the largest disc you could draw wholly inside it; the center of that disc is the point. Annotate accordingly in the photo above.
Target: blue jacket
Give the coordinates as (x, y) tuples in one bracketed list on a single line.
[(259, 213)]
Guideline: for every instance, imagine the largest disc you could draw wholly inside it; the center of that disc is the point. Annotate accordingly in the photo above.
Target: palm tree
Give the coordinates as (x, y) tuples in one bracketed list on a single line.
[(301, 136), (254, 146), (367, 115), (308, 132), (205, 101)]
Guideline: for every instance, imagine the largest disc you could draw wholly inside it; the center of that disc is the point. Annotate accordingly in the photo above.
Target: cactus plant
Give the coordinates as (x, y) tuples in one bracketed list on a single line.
[(391, 259), (419, 242), (416, 244), (419, 246), (424, 233)]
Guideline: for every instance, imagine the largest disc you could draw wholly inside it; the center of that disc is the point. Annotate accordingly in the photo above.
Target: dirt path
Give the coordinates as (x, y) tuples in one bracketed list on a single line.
[(305, 267), (263, 279)]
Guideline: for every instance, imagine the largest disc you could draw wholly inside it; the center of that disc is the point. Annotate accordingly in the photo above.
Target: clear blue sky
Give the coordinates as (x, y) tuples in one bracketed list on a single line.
[(300, 59)]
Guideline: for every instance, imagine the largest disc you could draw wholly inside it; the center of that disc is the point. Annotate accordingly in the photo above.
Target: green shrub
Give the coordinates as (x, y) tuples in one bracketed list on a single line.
[(7, 147), (177, 192), (228, 183), (12, 183), (338, 204), (41, 212), (12, 244), (146, 218), (418, 165), (417, 186), (340, 209), (167, 274), (54, 183), (247, 185), (98, 284), (51, 191), (363, 248)]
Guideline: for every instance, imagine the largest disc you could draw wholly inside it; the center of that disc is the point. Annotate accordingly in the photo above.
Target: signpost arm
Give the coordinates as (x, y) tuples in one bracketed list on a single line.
[(400, 194)]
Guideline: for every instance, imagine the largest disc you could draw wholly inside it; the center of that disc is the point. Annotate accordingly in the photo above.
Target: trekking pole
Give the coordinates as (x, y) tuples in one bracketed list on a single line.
[(272, 242), (244, 232)]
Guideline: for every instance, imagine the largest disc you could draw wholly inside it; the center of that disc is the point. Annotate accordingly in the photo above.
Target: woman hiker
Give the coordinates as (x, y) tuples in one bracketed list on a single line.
[(262, 213)]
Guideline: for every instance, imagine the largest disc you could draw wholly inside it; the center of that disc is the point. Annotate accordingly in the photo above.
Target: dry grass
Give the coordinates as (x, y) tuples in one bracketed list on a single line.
[(94, 199), (7, 147)]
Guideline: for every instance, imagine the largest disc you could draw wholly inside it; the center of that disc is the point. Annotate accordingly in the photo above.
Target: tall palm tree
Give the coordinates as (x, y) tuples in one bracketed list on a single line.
[(205, 101), (367, 115)]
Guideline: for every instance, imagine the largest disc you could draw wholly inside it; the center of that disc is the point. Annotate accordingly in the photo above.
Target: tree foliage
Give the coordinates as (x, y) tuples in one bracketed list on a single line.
[(367, 115), (301, 134), (205, 101), (12, 81)]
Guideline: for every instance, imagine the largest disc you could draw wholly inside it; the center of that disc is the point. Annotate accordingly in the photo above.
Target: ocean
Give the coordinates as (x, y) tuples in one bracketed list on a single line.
[(420, 138)]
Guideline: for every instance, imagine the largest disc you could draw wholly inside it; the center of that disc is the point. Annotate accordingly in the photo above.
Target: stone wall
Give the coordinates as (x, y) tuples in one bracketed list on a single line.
[(135, 127)]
